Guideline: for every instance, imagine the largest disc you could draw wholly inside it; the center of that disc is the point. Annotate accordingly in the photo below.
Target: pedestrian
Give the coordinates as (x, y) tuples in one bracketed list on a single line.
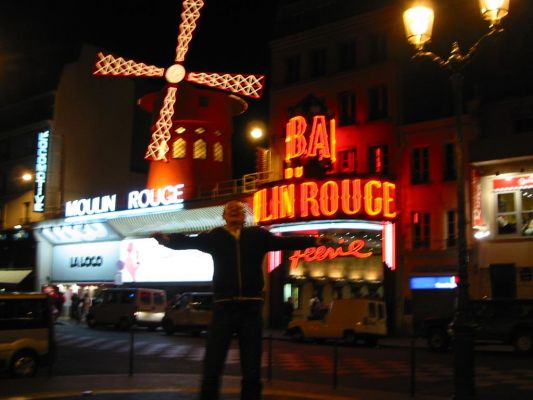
[(288, 311), (74, 307), (85, 305), (315, 307), (237, 253)]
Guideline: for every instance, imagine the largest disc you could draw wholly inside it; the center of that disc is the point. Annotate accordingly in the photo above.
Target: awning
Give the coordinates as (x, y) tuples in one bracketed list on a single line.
[(13, 276), (103, 228)]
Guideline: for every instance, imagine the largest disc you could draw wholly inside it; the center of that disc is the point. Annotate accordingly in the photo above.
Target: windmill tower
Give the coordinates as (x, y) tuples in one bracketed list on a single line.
[(191, 135)]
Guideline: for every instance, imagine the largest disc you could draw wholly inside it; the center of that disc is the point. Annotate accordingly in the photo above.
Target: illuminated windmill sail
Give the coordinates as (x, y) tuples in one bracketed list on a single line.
[(244, 85)]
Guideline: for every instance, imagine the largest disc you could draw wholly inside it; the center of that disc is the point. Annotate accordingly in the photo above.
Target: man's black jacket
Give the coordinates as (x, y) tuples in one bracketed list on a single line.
[(238, 272)]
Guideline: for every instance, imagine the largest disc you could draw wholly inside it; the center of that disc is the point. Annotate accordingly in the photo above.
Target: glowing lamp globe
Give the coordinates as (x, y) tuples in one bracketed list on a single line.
[(494, 10), (418, 22)]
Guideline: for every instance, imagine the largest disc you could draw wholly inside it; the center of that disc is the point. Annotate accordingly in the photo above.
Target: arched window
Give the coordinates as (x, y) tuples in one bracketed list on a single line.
[(179, 148), (199, 150), (218, 152)]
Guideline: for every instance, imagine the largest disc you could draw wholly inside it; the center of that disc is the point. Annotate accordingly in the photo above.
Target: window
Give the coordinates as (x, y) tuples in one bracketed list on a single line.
[(218, 152), (145, 298), (292, 69), (318, 62), (179, 148), (378, 159), (346, 108), (449, 173), (348, 55), (377, 48), (451, 228), (347, 160), (378, 102), (421, 230), (199, 150), (515, 212), (420, 165), (506, 217)]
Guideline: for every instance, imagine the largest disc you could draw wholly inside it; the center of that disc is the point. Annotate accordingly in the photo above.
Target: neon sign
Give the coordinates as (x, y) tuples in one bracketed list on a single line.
[(136, 200), (332, 198), (41, 166), (319, 144), (323, 252)]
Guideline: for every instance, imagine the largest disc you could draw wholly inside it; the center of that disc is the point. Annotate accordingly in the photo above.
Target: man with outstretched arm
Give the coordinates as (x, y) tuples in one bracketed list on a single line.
[(237, 253)]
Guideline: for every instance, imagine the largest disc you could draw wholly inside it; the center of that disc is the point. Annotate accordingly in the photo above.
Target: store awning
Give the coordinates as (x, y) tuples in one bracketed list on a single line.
[(64, 231), (13, 276)]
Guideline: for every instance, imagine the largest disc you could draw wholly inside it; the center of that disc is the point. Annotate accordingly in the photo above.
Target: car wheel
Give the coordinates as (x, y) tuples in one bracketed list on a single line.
[(24, 365), (523, 342), (91, 321), (438, 340), (349, 338), (168, 326), (124, 323), (298, 335)]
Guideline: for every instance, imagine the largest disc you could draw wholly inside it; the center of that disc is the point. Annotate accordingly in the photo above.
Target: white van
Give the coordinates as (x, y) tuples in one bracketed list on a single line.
[(125, 307), (348, 320), (26, 333)]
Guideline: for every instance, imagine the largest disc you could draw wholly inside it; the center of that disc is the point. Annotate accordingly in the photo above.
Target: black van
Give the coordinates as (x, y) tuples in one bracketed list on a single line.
[(26, 333)]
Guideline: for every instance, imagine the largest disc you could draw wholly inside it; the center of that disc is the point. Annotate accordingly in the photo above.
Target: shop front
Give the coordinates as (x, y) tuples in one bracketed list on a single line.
[(101, 244), (359, 212), (503, 224)]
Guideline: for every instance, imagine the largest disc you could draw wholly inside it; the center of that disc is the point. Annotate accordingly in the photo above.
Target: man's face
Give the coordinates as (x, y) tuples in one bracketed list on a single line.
[(234, 213)]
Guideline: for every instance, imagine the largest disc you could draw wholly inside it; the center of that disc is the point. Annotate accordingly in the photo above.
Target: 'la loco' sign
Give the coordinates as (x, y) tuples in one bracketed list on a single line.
[(338, 198)]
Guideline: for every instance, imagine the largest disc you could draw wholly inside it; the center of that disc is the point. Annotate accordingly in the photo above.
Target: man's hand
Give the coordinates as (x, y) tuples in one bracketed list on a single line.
[(323, 240), (162, 238)]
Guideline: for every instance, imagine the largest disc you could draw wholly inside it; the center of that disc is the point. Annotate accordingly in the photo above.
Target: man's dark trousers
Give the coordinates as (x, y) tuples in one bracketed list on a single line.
[(245, 319)]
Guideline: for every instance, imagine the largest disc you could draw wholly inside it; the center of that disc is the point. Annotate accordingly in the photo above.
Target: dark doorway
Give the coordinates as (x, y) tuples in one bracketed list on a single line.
[(503, 281)]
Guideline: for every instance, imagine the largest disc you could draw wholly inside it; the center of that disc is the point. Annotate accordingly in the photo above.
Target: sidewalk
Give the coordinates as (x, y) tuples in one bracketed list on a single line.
[(173, 386)]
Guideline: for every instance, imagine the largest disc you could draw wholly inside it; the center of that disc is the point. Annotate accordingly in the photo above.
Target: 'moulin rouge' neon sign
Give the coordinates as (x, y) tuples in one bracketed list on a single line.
[(323, 252), (339, 198)]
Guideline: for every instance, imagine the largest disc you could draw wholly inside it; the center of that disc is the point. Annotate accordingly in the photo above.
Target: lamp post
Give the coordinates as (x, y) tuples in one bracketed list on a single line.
[(418, 22)]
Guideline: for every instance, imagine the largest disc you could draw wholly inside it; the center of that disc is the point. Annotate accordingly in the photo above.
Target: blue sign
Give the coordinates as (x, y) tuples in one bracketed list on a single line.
[(447, 282)]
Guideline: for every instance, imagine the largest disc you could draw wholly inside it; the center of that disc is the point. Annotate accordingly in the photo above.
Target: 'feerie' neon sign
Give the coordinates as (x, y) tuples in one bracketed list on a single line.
[(332, 198), (322, 253)]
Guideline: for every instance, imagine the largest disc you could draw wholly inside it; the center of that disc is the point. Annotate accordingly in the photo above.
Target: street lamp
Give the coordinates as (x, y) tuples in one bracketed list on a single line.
[(257, 132), (418, 22)]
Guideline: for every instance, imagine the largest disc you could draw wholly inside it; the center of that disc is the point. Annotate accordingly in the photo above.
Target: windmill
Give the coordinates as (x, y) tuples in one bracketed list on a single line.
[(240, 84)]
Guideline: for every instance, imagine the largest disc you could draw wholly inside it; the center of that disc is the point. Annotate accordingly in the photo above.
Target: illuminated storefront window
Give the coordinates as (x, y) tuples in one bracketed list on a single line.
[(515, 212)]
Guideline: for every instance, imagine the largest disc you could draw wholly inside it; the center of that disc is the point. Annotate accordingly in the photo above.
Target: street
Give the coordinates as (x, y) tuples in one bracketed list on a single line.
[(499, 374)]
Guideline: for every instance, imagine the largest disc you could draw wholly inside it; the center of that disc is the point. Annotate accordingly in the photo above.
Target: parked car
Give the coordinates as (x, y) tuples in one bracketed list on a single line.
[(26, 333), (191, 313), (125, 307), (349, 320), (502, 321)]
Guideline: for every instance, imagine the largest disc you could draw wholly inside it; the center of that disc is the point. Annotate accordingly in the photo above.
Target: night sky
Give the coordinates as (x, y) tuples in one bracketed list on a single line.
[(38, 37)]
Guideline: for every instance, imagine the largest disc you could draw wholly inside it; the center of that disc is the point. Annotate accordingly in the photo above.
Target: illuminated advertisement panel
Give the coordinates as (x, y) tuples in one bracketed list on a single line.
[(145, 260), (126, 261), (85, 262)]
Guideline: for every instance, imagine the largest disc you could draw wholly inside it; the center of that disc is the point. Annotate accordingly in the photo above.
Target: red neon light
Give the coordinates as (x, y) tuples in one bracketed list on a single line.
[(379, 159), (319, 142), (323, 252), (340, 198)]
